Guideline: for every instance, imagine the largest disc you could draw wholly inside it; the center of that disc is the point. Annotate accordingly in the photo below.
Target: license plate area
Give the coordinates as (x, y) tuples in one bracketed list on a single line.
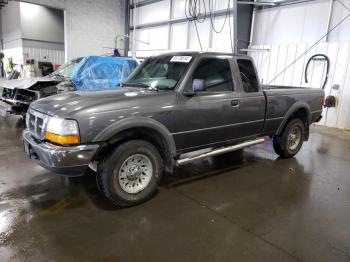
[(27, 149)]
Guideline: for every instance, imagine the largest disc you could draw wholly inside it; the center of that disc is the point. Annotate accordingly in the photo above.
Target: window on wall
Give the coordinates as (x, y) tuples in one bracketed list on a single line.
[(215, 74), (222, 41), (156, 12), (179, 8), (248, 76), (179, 36), (152, 38), (204, 35)]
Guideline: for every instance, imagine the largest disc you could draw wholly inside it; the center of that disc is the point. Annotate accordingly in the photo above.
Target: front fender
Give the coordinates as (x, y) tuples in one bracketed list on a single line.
[(107, 134)]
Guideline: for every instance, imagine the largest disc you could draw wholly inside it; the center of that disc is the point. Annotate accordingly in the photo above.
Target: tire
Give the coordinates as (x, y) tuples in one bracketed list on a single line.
[(131, 173), (290, 141)]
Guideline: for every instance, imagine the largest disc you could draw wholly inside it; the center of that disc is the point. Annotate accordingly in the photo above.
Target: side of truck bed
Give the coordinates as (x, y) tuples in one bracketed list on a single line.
[(283, 101)]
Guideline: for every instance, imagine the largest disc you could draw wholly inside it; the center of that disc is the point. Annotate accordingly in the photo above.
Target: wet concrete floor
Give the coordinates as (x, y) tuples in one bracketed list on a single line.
[(244, 206)]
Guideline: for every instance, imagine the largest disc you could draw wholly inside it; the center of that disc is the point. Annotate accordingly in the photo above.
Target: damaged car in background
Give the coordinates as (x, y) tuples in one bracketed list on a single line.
[(17, 94), (92, 73)]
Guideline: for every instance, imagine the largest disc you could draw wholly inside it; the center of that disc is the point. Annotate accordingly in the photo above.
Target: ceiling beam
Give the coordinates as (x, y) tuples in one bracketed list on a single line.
[(256, 3), (285, 3), (262, 3)]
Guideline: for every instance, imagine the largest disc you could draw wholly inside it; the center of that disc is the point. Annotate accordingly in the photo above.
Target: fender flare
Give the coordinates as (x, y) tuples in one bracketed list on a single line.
[(142, 122), (291, 111)]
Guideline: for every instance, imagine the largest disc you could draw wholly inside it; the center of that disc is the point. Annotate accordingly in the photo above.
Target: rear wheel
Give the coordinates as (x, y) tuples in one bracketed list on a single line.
[(290, 141), (130, 175)]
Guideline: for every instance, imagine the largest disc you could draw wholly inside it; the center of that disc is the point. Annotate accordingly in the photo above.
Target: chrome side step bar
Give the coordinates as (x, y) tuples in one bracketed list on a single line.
[(220, 151)]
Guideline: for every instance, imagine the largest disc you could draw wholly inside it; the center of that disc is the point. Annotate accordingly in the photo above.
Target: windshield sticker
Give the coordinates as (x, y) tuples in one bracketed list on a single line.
[(181, 59)]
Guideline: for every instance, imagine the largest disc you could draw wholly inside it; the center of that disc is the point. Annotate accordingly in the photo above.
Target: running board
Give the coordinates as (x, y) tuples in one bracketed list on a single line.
[(220, 151)]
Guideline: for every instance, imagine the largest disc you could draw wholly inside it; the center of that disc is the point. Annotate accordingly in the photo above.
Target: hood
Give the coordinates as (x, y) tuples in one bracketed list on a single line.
[(72, 104), (23, 83)]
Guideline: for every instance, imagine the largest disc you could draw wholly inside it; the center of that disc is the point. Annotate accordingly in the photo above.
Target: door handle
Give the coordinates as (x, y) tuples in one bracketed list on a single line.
[(235, 103)]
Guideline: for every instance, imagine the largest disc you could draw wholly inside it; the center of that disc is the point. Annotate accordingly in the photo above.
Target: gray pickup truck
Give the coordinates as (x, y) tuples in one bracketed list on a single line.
[(174, 108)]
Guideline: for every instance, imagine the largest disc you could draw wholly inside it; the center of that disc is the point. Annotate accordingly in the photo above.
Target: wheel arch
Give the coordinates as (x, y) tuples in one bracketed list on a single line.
[(140, 128), (301, 111)]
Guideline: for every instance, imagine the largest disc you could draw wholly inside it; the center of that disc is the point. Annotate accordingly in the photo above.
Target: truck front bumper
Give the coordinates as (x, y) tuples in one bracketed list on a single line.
[(64, 160)]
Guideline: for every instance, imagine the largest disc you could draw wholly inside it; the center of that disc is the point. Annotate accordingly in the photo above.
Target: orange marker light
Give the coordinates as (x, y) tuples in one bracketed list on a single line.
[(62, 140)]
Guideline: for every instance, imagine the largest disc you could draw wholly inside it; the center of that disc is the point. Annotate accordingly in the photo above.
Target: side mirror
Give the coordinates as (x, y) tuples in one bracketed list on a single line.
[(198, 85)]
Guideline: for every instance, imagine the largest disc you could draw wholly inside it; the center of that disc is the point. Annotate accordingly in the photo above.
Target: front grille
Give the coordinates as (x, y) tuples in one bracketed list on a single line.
[(25, 96), (36, 123), (8, 93)]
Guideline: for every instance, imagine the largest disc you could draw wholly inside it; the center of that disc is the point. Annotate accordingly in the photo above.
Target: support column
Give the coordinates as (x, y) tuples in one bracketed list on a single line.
[(235, 26), (127, 27)]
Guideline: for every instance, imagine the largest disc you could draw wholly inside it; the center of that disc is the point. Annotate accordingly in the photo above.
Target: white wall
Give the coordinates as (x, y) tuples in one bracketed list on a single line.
[(183, 36), (11, 25), (89, 25), (56, 57), (301, 23), (269, 64), (11, 32), (298, 23), (288, 32), (42, 33), (342, 33), (92, 25), (42, 24), (1, 47), (32, 32)]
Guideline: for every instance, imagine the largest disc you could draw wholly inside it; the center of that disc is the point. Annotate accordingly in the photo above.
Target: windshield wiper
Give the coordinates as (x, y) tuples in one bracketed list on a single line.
[(143, 85), (57, 75)]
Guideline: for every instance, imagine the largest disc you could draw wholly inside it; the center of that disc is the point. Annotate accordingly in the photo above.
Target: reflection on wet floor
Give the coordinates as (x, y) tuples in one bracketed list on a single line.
[(247, 204)]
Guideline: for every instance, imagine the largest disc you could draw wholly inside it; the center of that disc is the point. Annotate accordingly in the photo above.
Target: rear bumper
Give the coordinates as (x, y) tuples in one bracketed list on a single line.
[(64, 160)]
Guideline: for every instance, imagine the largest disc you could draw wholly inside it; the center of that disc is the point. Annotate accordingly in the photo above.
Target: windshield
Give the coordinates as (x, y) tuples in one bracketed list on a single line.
[(161, 73), (66, 69)]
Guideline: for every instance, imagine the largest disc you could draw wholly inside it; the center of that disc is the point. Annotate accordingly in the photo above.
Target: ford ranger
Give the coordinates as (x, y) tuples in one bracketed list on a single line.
[(173, 109)]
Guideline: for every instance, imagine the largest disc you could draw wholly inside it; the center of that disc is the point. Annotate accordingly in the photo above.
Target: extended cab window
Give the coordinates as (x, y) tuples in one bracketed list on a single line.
[(215, 73), (248, 76)]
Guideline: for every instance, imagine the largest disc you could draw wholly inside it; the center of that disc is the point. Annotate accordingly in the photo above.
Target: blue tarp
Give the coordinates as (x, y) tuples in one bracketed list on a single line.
[(95, 73)]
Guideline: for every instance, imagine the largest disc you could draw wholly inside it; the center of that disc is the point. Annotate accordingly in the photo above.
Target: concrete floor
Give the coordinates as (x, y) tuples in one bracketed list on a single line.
[(245, 206)]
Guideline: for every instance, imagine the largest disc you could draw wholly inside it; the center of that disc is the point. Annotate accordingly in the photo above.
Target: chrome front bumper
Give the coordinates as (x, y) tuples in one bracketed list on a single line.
[(65, 160)]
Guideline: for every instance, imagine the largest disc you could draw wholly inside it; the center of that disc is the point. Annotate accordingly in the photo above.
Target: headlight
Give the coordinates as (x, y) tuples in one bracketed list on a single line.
[(62, 131)]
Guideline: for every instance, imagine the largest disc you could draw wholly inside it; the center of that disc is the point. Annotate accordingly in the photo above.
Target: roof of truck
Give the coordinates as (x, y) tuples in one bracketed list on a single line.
[(195, 53)]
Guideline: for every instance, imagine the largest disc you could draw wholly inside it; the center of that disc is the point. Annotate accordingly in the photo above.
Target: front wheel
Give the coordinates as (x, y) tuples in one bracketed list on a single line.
[(290, 141), (130, 175)]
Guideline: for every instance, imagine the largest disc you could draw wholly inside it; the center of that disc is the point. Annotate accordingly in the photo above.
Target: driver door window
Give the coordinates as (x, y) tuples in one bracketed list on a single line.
[(215, 74)]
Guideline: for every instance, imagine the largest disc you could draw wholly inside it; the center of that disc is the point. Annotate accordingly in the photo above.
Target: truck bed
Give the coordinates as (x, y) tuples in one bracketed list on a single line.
[(286, 88), (281, 100)]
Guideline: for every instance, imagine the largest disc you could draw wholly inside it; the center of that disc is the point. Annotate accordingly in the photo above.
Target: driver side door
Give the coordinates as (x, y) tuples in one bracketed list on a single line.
[(209, 117)]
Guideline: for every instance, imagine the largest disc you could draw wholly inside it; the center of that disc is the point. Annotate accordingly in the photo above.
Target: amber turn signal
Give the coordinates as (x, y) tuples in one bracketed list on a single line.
[(62, 140)]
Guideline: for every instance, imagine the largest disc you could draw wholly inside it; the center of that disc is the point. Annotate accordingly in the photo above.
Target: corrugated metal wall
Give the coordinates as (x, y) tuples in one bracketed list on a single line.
[(289, 31), (272, 62), (43, 55)]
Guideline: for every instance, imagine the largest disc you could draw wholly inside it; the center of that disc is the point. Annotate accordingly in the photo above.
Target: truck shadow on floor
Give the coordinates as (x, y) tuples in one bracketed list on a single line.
[(186, 174), (50, 193)]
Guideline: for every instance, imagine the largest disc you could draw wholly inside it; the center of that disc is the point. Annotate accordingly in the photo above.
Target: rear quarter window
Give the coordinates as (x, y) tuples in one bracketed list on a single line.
[(248, 76)]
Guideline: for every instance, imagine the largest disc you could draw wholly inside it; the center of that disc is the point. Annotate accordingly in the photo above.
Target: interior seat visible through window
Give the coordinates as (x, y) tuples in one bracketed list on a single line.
[(216, 74)]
